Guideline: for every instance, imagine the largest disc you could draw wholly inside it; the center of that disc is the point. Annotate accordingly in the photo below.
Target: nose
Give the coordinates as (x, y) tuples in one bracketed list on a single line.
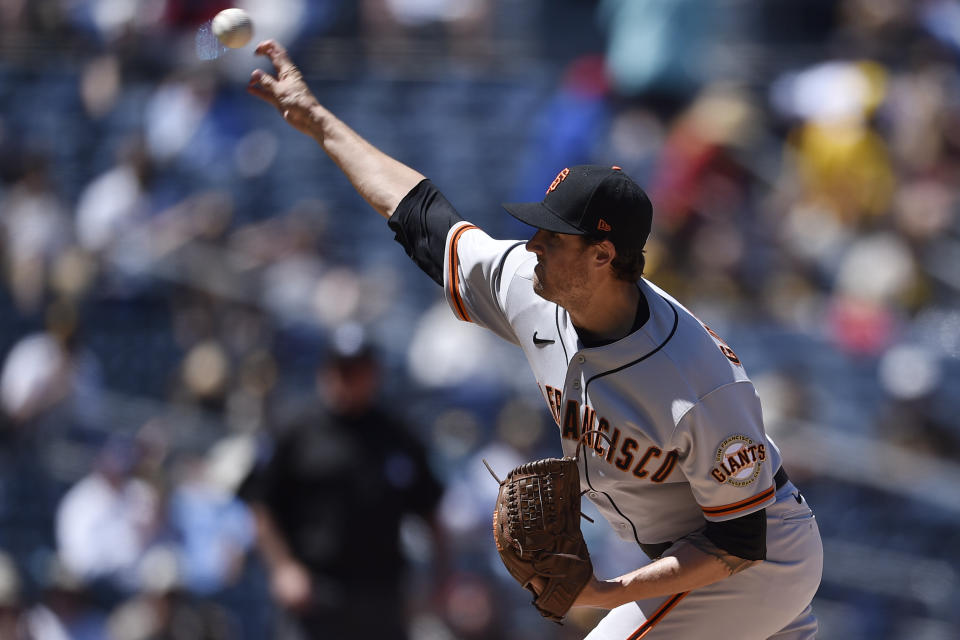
[(535, 244)]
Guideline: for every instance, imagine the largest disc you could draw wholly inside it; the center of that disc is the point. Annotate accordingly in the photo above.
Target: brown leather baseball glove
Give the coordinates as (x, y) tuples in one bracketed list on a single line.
[(536, 525)]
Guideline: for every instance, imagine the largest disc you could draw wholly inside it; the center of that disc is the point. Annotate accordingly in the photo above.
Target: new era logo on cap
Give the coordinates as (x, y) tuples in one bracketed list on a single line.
[(592, 200)]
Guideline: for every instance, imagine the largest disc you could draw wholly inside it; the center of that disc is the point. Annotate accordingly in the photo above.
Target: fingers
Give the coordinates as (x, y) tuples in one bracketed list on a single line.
[(263, 85), (278, 56), (262, 48), (263, 79), (261, 93)]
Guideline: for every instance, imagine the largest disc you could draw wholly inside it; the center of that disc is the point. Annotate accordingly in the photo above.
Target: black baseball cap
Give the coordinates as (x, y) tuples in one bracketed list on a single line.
[(591, 200)]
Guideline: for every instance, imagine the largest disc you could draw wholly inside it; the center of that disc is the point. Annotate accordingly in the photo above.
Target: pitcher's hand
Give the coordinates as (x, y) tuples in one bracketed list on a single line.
[(288, 91)]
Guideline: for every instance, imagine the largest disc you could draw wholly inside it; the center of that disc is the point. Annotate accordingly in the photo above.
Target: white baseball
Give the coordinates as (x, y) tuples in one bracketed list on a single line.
[(233, 27)]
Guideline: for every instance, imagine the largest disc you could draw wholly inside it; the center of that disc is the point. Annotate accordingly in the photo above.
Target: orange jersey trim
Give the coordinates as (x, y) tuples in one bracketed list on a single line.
[(659, 615), (454, 277), (741, 505)]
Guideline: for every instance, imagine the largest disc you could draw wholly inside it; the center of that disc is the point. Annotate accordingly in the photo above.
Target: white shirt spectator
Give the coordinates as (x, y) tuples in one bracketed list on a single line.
[(108, 206), (103, 528), (35, 374)]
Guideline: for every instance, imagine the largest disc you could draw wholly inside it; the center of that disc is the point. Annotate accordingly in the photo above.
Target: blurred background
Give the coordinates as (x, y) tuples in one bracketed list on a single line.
[(178, 265)]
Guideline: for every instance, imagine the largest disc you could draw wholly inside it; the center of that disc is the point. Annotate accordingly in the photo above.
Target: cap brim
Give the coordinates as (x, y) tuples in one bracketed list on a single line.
[(537, 215)]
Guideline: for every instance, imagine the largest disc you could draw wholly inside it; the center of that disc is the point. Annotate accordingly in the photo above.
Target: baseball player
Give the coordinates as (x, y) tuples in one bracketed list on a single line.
[(676, 456)]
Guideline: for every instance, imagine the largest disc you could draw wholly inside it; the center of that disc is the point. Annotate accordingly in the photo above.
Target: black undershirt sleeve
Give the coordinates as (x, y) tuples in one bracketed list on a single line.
[(744, 537), (421, 223)]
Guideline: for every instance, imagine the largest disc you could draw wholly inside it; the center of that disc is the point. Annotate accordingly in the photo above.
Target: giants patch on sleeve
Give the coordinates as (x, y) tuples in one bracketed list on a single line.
[(738, 461)]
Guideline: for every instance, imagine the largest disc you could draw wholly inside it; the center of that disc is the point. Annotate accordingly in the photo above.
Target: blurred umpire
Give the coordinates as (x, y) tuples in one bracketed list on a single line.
[(329, 500)]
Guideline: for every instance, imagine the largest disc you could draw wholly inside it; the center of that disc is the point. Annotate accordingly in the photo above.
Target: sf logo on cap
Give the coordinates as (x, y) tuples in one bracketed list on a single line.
[(560, 178)]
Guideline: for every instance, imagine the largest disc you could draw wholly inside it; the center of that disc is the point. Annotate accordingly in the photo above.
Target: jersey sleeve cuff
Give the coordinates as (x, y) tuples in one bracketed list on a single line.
[(741, 507), (454, 296)]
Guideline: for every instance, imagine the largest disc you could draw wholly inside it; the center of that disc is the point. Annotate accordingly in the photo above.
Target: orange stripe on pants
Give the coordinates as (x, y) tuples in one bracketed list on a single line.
[(660, 614)]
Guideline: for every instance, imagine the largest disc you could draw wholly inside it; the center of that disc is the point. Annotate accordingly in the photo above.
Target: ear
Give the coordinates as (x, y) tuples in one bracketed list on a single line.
[(604, 253)]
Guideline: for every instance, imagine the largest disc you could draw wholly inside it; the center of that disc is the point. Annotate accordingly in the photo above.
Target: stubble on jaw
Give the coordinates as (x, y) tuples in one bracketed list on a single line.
[(569, 292)]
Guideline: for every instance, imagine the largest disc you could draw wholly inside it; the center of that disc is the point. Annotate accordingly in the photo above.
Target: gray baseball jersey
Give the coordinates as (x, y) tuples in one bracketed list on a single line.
[(683, 438), (654, 394)]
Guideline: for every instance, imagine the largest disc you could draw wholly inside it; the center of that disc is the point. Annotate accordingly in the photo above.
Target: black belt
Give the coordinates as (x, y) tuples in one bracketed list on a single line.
[(780, 478), (654, 551)]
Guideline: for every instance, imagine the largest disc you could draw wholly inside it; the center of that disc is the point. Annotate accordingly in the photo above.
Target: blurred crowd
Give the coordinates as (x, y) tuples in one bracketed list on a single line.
[(177, 265)]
